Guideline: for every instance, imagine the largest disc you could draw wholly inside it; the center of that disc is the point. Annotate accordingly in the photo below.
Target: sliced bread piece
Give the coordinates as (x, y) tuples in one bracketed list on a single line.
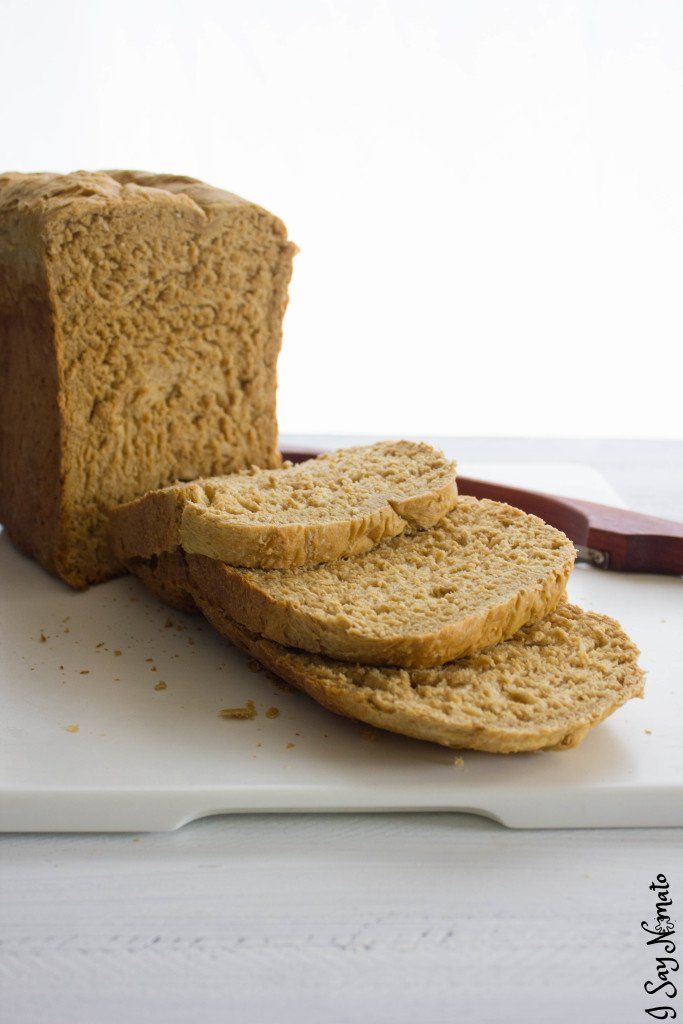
[(417, 600), (542, 690), (335, 505)]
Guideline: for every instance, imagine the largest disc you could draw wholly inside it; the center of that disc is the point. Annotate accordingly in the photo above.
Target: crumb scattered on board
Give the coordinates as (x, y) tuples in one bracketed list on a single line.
[(458, 761), (161, 685), (73, 728), (43, 638), (84, 672), (290, 746), (272, 712), (648, 732), (370, 734), (248, 711)]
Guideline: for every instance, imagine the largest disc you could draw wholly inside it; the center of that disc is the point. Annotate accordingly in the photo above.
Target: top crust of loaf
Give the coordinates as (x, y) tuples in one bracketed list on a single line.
[(336, 505), (47, 192), (542, 690), (416, 600)]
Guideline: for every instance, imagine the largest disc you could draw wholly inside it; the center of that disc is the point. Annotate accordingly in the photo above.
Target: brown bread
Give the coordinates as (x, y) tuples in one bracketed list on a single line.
[(140, 324), (338, 504)]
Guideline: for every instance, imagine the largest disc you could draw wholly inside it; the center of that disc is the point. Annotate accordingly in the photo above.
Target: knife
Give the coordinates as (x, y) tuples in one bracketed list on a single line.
[(606, 537)]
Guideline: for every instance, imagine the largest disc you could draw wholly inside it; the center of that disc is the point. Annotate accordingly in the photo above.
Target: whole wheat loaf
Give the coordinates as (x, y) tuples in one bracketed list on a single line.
[(336, 505), (419, 599), (140, 324), (542, 690)]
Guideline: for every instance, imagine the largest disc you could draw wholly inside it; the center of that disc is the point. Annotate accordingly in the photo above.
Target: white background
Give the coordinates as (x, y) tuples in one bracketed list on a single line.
[(488, 196)]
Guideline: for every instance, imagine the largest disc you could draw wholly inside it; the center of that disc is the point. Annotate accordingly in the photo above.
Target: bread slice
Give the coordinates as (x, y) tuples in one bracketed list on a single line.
[(140, 325), (417, 600), (542, 690), (335, 505)]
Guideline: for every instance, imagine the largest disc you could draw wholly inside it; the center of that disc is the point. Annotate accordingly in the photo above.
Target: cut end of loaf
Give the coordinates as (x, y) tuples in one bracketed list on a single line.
[(160, 303)]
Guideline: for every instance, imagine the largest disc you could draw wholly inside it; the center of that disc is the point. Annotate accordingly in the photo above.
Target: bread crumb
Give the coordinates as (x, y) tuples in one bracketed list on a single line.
[(272, 712), (289, 746), (66, 619), (648, 732), (100, 644), (117, 654), (84, 672), (248, 711), (370, 734), (458, 761), (43, 638), (161, 685), (61, 668), (153, 668), (73, 728), (149, 659), (254, 666), (66, 629)]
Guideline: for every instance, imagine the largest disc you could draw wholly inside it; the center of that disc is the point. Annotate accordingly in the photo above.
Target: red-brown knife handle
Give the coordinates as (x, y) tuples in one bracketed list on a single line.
[(635, 542)]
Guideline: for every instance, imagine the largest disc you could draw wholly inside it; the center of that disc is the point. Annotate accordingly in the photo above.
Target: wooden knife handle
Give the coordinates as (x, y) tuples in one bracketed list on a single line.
[(635, 542), (632, 541)]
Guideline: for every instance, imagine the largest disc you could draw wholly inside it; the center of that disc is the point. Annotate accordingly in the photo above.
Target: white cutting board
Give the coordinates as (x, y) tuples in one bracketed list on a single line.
[(142, 759)]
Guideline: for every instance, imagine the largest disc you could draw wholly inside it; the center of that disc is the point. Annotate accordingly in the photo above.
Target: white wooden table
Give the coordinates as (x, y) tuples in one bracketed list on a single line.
[(373, 918)]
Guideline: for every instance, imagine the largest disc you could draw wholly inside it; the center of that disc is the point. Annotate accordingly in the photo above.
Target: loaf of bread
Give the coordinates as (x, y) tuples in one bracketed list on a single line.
[(140, 324), (416, 600), (541, 690), (338, 504)]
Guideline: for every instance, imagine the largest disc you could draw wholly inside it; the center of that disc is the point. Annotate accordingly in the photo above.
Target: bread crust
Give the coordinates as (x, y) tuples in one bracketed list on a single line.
[(389, 698), (544, 689), (166, 576), (183, 515), (296, 609)]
